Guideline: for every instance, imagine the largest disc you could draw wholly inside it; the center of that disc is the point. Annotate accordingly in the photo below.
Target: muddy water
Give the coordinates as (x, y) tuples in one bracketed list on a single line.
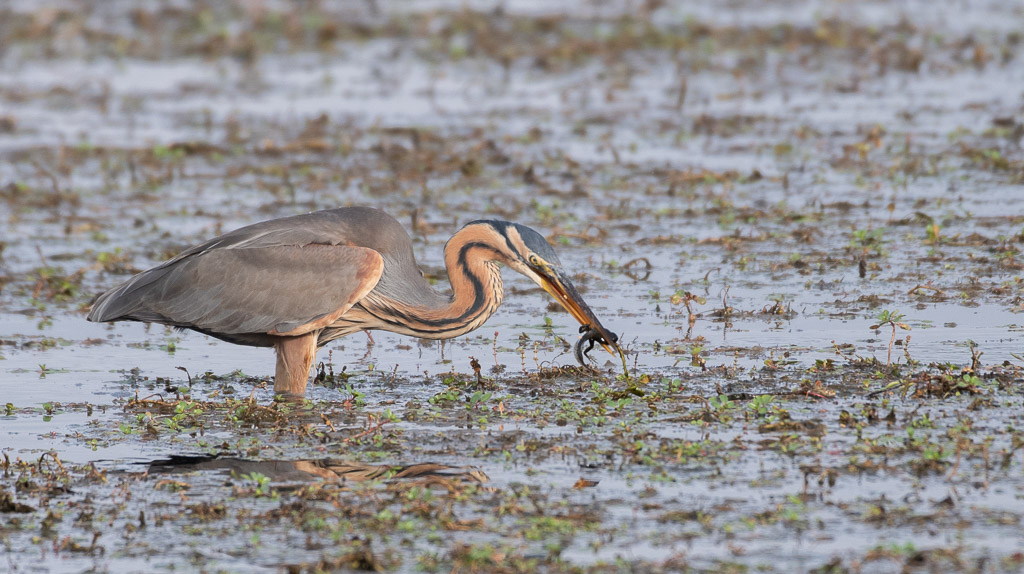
[(791, 170)]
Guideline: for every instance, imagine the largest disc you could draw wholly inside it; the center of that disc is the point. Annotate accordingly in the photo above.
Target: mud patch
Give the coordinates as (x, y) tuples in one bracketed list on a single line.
[(802, 219)]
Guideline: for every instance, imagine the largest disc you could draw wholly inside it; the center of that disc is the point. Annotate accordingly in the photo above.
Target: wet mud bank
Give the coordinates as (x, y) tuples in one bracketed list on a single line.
[(803, 219)]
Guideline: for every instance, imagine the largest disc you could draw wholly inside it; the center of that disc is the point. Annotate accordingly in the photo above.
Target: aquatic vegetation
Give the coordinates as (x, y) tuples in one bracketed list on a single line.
[(763, 202)]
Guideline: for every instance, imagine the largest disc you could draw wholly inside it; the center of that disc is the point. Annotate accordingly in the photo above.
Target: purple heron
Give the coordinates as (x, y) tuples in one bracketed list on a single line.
[(297, 283)]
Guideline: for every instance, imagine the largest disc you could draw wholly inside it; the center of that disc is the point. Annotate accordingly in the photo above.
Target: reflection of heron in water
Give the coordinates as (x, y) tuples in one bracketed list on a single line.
[(297, 283), (321, 469)]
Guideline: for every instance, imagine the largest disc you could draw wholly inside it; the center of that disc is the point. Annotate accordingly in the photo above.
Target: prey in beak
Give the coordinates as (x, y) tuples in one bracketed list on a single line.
[(559, 287)]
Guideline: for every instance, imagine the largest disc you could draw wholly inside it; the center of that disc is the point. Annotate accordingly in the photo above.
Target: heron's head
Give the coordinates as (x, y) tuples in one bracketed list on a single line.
[(526, 251)]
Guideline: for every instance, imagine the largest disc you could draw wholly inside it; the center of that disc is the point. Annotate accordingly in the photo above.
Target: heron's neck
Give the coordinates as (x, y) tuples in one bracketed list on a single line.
[(477, 292)]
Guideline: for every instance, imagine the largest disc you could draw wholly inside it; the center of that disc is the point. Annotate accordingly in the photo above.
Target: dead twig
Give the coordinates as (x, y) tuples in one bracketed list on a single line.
[(935, 290)]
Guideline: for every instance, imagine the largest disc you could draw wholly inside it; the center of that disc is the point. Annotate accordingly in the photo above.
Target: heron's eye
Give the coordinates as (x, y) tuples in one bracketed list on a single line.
[(534, 261)]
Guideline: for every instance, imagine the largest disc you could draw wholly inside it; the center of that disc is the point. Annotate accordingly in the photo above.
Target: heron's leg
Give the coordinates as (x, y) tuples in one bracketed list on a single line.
[(294, 357)]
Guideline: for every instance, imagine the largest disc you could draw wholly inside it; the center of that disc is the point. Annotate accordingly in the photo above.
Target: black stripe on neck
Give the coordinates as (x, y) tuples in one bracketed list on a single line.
[(446, 324)]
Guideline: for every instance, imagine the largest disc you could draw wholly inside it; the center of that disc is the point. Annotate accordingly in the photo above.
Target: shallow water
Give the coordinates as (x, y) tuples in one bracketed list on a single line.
[(798, 167)]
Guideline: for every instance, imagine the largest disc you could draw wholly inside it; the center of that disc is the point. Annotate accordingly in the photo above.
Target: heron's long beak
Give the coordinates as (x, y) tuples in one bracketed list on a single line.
[(565, 293)]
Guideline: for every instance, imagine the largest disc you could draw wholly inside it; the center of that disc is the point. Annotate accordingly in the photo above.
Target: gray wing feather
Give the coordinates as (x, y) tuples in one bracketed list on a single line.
[(233, 289), (275, 274)]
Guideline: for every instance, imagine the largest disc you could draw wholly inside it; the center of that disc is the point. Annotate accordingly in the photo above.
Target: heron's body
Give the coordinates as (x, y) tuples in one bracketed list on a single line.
[(297, 283)]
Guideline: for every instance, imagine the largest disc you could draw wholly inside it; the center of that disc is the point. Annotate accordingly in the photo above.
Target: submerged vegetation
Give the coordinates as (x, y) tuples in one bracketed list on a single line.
[(804, 221)]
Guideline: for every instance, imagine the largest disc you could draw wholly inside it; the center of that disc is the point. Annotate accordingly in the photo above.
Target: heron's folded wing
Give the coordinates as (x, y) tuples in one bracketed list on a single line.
[(279, 290)]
